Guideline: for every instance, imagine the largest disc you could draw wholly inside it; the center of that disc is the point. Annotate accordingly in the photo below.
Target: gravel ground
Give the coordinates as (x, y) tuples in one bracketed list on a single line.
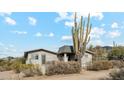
[(8, 75), (84, 75)]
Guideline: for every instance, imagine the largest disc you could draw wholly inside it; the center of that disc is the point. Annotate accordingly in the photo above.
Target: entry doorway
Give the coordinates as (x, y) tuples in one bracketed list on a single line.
[(43, 57)]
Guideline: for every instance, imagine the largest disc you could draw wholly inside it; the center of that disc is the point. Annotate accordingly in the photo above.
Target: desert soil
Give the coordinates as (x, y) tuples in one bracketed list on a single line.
[(84, 75)]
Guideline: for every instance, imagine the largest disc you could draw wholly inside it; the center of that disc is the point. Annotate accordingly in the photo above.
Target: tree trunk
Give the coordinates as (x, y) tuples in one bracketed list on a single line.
[(79, 57)]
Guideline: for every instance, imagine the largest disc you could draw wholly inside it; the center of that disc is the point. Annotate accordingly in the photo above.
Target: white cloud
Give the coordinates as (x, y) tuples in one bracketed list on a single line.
[(97, 15), (32, 21), (114, 25), (10, 21), (114, 34), (38, 34), (3, 14), (62, 16), (68, 17), (67, 37), (51, 34), (19, 32), (69, 24), (97, 32)]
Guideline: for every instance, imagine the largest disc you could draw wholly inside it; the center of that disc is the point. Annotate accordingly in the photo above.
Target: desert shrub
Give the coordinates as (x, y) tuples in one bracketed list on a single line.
[(37, 70), (4, 63), (117, 53), (100, 65), (15, 65), (117, 74), (10, 65), (63, 68), (2, 68), (19, 60), (21, 67), (28, 69), (31, 70), (28, 73), (1, 60), (117, 63), (5, 66), (18, 66)]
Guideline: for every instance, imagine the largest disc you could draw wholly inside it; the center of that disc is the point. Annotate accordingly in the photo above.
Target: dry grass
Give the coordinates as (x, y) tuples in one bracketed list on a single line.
[(18, 67), (100, 65), (116, 74), (63, 68), (117, 63)]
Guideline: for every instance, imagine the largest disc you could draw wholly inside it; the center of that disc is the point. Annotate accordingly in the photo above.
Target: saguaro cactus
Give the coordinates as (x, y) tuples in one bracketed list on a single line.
[(80, 36)]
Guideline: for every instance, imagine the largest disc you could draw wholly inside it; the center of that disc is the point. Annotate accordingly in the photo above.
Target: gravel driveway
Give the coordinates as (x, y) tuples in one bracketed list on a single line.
[(84, 75)]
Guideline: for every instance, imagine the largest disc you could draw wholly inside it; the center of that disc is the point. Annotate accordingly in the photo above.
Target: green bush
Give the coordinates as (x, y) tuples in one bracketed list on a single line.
[(63, 68), (117, 74), (117, 53), (100, 65)]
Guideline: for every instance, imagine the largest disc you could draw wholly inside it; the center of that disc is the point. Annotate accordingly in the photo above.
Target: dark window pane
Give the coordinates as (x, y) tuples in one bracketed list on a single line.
[(43, 59), (36, 57)]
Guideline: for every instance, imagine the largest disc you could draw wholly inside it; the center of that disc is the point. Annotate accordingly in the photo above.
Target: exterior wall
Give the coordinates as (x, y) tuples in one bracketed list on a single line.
[(87, 59), (32, 60)]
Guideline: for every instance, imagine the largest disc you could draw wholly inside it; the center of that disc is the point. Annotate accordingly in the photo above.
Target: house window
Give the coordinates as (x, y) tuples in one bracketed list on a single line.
[(43, 59), (36, 57), (86, 55)]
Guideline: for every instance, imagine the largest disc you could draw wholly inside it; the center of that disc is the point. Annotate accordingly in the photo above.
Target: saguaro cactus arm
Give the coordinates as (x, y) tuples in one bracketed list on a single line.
[(80, 35)]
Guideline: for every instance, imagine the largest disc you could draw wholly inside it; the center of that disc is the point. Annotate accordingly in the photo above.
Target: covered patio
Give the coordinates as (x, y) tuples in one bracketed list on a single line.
[(66, 53)]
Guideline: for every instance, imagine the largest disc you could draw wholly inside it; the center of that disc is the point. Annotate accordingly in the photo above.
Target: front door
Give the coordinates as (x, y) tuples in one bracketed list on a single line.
[(43, 59)]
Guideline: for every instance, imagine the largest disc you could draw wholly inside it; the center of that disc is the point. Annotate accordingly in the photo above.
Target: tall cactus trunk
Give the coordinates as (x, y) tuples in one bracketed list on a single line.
[(80, 36)]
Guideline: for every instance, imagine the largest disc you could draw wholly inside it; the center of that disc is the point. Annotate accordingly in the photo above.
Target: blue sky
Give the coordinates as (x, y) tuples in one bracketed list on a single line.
[(22, 31)]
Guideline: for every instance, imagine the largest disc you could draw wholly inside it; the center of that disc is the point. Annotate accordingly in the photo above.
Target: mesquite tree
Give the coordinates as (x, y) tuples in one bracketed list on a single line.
[(81, 36)]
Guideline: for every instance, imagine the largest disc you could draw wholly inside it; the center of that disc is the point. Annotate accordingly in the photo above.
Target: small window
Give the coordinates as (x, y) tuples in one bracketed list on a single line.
[(36, 57), (86, 55)]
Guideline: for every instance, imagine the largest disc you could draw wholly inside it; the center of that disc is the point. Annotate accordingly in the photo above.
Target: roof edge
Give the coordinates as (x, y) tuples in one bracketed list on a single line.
[(36, 50), (89, 52)]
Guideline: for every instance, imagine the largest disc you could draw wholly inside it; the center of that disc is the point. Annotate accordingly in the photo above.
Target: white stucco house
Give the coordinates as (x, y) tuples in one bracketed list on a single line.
[(65, 53), (40, 56)]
